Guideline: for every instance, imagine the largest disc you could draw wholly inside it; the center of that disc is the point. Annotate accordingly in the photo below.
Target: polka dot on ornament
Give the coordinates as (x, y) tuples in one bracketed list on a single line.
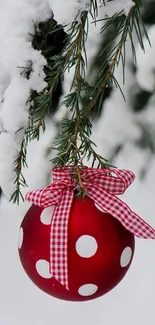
[(46, 215), (42, 267), (99, 208), (87, 289), (126, 256), (86, 246), (20, 237)]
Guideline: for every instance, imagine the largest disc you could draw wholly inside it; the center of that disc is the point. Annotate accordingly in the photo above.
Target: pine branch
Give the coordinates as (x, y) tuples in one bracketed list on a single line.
[(77, 130), (124, 29), (20, 181), (73, 144)]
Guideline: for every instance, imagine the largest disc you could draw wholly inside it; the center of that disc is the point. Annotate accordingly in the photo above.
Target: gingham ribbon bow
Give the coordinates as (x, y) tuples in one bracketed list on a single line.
[(102, 186)]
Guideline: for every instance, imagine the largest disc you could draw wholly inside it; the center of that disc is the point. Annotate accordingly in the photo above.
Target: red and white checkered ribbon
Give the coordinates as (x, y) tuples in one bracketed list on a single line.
[(102, 187)]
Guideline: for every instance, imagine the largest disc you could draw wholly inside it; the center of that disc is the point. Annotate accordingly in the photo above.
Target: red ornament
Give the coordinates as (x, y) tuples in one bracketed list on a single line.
[(100, 251), (72, 249)]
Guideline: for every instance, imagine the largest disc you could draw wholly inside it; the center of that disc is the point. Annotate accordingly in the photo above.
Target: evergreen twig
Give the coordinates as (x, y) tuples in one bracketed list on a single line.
[(73, 143), (20, 181)]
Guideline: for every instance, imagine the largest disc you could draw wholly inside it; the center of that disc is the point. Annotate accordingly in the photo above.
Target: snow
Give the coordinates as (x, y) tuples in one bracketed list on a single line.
[(132, 301), (145, 72), (71, 10), (116, 6), (16, 53)]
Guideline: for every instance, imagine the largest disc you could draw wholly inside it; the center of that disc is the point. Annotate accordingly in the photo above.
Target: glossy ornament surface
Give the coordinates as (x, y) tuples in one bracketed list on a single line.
[(100, 251)]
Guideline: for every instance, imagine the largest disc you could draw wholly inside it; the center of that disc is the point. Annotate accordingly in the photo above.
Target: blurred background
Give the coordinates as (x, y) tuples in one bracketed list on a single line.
[(124, 132)]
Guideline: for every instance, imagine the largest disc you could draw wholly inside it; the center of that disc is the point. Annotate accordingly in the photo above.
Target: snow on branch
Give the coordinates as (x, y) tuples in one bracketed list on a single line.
[(17, 20), (72, 8), (111, 7), (22, 68)]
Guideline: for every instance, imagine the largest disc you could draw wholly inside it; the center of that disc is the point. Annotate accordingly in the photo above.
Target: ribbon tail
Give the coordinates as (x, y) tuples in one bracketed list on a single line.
[(121, 211), (59, 238)]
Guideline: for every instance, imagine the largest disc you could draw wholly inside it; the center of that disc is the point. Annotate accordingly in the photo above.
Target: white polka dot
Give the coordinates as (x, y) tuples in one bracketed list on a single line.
[(46, 215), (87, 289), (20, 237), (99, 208), (42, 267), (126, 256), (86, 246)]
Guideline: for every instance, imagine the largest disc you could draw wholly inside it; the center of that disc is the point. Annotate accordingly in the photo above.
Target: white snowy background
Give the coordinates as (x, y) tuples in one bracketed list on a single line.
[(21, 303)]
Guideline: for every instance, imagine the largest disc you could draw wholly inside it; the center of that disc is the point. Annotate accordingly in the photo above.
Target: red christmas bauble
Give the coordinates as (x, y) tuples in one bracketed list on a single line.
[(100, 251)]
